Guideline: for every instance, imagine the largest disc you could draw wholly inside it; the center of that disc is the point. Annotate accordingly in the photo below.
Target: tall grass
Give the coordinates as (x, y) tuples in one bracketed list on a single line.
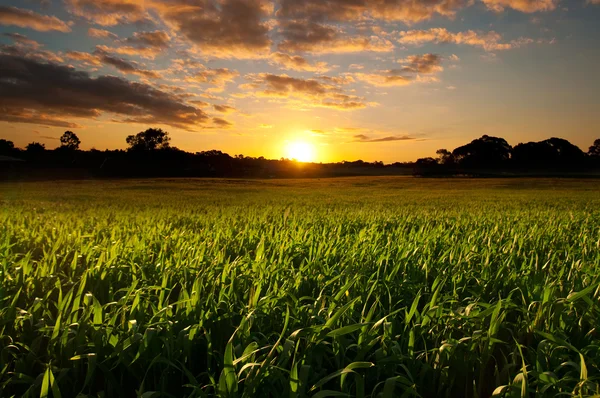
[(385, 288)]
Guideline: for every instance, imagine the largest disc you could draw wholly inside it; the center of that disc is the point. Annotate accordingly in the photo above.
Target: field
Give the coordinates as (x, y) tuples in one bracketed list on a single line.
[(378, 287)]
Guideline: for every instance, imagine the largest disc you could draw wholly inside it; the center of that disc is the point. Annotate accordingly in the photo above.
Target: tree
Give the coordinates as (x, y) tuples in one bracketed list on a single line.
[(69, 140), (35, 148), (595, 149), (6, 147), (445, 157), (149, 140), (484, 152)]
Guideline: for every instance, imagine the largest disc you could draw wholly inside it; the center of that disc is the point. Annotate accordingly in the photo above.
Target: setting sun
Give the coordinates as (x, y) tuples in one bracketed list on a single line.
[(300, 151)]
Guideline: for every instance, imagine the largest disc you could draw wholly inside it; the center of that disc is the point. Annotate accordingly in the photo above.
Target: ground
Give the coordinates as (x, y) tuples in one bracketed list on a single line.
[(383, 286)]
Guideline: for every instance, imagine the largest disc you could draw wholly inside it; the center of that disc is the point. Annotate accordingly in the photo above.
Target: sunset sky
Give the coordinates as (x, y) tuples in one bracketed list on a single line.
[(389, 80)]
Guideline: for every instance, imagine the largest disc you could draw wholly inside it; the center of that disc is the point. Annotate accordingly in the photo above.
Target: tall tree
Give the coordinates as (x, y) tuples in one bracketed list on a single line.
[(69, 140), (149, 140)]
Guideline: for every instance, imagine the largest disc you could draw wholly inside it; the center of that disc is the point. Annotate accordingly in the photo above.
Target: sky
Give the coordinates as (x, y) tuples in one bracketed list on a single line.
[(377, 80)]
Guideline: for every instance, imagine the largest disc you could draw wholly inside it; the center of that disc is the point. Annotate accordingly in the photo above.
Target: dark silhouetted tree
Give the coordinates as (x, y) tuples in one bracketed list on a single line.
[(595, 149), (483, 153), (445, 157), (6, 147), (69, 140), (149, 140), (35, 148)]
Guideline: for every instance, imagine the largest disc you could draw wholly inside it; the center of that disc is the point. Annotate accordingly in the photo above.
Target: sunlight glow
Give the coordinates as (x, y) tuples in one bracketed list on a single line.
[(300, 151)]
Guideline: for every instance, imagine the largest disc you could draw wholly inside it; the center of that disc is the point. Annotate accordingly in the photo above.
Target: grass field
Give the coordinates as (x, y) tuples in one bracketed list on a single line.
[(377, 287)]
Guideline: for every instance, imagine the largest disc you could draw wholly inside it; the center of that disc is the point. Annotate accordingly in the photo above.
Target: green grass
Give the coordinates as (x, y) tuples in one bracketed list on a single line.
[(345, 287)]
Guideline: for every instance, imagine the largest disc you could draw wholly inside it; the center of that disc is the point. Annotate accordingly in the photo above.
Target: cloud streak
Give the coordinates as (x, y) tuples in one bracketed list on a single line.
[(32, 20)]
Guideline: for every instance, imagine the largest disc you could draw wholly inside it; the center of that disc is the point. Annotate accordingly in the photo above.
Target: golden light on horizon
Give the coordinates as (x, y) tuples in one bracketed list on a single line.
[(301, 151)]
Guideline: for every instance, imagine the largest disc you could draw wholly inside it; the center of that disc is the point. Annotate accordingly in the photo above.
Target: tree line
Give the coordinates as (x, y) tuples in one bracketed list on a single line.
[(493, 154), (150, 154)]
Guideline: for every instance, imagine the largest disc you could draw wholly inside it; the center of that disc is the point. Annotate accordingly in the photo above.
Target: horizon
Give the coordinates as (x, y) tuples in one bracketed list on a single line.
[(326, 80), (283, 158)]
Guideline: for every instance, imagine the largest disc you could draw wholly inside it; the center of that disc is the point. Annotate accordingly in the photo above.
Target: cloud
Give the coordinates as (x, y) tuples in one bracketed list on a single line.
[(23, 40), (29, 19), (101, 57), (426, 63), (13, 115), (224, 108), (311, 37), (157, 39), (216, 77), (388, 78), (298, 63), (310, 92), (409, 11), (366, 138), (224, 28), (130, 67), (108, 12), (142, 44), (221, 122), (489, 41), (29, 48), (53, 92), (415, 66), (527, 6), (101, 34)]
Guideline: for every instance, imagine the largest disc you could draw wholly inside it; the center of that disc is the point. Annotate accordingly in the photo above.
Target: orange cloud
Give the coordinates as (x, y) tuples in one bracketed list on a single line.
[(108, 12), (414, 67), (527, 6), (101, 57), (224, 108), (426, 63), (101, 34), (306, 36), (296, 62), (29, 19), (216, 77), (489, 41), (310, 91), (224, 28), (392, 10)]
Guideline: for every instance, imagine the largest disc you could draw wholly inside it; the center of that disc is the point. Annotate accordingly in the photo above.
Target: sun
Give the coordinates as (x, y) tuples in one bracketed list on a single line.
[(300, 151)]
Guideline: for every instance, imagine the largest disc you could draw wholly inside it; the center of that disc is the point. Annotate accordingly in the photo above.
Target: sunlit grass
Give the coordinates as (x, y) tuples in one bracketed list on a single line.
[(388, 287)]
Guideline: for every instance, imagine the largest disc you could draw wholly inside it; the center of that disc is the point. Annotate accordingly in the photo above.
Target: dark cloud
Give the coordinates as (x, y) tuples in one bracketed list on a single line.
[(56, 92), (29, 19)]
